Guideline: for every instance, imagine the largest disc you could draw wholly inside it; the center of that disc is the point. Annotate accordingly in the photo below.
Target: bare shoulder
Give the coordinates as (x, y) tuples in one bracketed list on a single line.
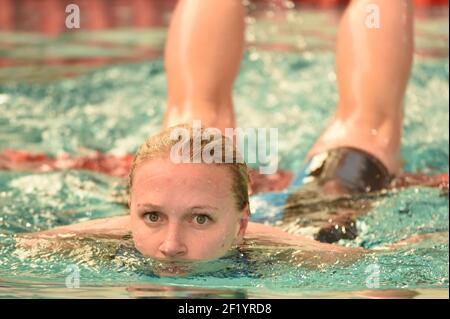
[(116, 226), (276, 234), (62, 237), (301, 250)]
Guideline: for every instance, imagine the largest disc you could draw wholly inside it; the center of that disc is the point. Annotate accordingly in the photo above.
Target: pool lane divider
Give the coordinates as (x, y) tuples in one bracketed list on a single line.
[(119, 166)]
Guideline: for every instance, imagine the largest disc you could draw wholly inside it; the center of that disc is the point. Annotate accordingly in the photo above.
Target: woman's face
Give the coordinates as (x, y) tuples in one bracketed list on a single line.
[(184, 211)]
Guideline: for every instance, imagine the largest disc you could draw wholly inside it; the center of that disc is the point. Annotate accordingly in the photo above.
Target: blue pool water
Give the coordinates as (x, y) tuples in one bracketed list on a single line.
[(114, 106)]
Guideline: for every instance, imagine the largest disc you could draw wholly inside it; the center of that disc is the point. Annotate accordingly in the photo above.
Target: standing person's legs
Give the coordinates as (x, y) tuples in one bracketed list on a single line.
[(373, 67), (202, 57)]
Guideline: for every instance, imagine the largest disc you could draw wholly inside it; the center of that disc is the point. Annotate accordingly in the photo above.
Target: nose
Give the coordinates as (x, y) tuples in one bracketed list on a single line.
[(172, 246)]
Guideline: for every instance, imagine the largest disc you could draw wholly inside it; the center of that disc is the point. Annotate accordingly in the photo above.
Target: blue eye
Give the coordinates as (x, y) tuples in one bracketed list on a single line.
[(151, 217)]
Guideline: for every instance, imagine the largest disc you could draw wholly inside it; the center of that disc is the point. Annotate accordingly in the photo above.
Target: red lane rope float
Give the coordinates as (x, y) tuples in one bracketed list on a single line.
[(17, 160), (413, 179), (119, 166)]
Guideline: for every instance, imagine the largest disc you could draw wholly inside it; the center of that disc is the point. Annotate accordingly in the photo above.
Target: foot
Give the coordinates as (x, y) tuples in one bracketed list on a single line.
[(383, 142)]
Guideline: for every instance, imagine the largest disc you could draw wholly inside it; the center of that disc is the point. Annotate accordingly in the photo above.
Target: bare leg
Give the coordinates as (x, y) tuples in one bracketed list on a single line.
[(202, 57), (373, 67)]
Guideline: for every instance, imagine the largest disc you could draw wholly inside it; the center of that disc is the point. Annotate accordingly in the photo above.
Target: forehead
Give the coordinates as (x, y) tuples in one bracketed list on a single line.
[(163, 180)]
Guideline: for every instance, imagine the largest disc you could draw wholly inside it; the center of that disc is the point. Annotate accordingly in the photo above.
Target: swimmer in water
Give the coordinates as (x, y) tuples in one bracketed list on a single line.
[(201, 211), (184, 211)]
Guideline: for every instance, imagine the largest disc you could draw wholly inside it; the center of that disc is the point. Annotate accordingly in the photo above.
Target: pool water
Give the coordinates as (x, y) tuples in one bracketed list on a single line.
[(105, 90)]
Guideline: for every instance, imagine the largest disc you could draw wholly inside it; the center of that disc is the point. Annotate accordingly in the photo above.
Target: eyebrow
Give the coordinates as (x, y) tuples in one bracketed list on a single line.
[(149, 205), (157, 207), (204, 207)]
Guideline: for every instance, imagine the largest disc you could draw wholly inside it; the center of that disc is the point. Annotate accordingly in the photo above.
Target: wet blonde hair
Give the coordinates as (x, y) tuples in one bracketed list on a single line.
[(160, 145)]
